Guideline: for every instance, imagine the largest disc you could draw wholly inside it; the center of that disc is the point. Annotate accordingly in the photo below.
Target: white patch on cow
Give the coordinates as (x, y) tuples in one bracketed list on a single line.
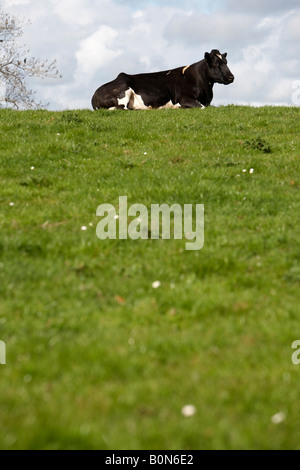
[(170, 105), (126, 100), (138, 103), (132, 100)]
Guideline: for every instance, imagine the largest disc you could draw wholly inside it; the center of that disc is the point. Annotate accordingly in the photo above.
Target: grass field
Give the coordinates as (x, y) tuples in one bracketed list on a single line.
[(96, 358)]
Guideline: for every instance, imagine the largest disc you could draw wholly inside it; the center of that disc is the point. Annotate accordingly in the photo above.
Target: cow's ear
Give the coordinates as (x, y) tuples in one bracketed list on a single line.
[(207, 57)]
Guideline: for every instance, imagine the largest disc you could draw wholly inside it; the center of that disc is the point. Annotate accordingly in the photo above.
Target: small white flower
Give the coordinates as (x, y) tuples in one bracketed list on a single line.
[(188, 411), (58, 133), (244, 171), (251, 171), (32, 168), (156, 284), (83, 228), (145, 153), (11, 204), (91, 225), (278, 418)]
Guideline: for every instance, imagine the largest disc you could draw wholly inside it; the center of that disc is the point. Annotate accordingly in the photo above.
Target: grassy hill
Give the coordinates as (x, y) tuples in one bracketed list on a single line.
[(97, 358)]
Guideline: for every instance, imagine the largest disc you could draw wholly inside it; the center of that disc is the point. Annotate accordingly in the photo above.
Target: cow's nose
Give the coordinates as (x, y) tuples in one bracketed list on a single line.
[(231, 78)]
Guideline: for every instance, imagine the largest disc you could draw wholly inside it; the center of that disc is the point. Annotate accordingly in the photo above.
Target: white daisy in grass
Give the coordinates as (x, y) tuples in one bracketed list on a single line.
[(156, 284), (278, 418), (188, 411)]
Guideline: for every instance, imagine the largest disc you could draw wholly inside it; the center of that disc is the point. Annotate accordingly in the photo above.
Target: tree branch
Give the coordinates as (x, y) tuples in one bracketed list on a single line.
[(16, 65)]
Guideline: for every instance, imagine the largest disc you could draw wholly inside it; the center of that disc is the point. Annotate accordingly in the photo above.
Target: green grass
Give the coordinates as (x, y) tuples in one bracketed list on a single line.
[(97, 358)]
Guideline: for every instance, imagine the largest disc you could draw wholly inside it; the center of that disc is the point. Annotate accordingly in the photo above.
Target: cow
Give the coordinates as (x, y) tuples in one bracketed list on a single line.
[(184, 87)]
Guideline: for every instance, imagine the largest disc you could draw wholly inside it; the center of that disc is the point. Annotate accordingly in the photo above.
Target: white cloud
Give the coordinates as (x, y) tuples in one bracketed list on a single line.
[(260, 7), (11, 3), (94, 40), (74, 11), (97, 50), (291, 32)]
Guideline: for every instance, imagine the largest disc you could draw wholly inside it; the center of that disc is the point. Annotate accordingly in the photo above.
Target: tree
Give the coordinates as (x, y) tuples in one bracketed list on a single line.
[(16, 65)]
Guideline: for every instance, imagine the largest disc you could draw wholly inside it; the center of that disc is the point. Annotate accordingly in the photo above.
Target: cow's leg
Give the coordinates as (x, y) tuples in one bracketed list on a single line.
[(192, 103)]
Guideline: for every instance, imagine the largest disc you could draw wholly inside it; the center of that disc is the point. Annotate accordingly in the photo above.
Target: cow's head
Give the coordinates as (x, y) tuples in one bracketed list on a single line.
[(219, 71)]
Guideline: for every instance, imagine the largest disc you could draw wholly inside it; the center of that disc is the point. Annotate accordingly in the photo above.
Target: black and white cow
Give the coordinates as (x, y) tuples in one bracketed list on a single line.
[(183, 87)]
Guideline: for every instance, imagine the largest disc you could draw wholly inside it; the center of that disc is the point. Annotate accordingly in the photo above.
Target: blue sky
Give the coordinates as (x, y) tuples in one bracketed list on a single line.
[(94, 40)]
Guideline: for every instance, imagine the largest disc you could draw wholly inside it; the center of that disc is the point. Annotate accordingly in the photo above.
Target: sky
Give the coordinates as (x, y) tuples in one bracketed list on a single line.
[(94, 40)]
